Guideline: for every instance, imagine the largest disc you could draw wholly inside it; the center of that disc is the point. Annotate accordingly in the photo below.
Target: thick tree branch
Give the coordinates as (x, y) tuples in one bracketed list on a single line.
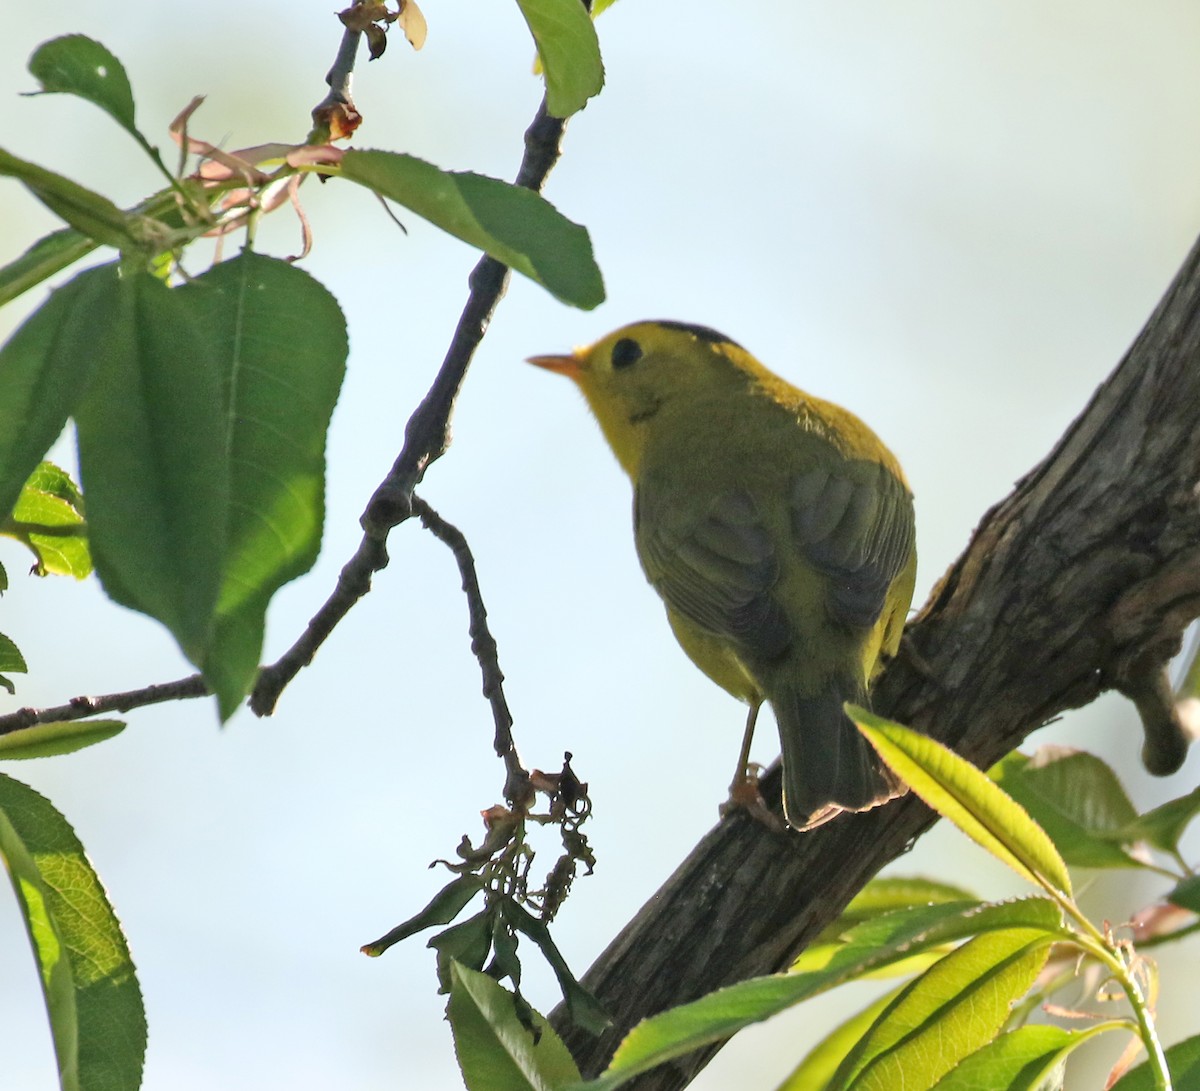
[(1078, 582)]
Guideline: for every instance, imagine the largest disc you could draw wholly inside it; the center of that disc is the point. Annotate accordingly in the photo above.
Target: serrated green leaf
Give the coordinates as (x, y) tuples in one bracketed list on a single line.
[(45, 367), (953, 1008), (1076, 798), (1026, 1059), (51, 740), (1164, 825), (516, 226), (495, 1052), (568, 50), (869, 947), (153, 458), (48, 518), (280, 342), (445, 905), (87, 976), (958, 791), (882, 896), (1183, 1060), (3, 580), (12, 660), (77, 65), (822, 1061)]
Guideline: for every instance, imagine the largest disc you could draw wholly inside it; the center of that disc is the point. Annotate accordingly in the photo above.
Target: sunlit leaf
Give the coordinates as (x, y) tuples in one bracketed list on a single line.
[(869, 947), (496, 1052), (1026, 1059), (568, 50), (87, 976), (958, 791), (953, 1008), (48, 518), (823, 1060), (51, 740)]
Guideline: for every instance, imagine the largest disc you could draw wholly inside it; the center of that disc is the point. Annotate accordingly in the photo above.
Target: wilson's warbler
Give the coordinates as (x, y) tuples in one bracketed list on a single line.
[(778, 530)]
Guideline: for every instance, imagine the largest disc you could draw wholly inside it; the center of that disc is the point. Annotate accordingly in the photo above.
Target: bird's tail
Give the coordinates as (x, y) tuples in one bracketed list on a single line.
[(828, 767)]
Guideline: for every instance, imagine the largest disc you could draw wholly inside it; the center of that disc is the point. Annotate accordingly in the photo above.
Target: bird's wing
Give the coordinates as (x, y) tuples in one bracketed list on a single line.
[(716, 567), (854, 523)]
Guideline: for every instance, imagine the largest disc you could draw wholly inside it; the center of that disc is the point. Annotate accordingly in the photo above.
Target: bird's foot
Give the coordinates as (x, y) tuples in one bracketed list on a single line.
[(745, 796)]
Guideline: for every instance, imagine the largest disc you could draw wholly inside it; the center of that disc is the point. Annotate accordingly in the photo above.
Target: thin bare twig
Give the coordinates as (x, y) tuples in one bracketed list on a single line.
[(79, 708), (426, 437), (483, 645)]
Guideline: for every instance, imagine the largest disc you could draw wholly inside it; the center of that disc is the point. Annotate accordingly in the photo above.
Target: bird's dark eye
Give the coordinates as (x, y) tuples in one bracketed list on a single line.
[(625, 352)]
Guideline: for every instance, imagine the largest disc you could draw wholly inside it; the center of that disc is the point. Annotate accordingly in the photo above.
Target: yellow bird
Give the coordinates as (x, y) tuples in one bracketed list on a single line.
[(778, 530)]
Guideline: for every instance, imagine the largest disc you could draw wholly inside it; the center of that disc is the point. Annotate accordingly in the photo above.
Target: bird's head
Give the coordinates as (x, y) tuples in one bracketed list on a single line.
[(629, 376)]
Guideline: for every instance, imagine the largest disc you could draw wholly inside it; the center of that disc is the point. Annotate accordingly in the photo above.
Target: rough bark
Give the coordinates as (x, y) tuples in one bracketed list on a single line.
[(1080, 581)]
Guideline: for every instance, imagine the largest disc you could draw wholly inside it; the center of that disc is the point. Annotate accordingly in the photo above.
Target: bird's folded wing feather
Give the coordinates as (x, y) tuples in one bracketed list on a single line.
[(717, 568), (854, 524)]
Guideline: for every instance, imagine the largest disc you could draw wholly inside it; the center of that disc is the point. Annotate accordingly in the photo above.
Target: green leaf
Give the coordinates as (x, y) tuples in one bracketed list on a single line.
[(882, 896), (1076, 798), (87, 976), (48, 518), (45, 367), (280, 341), (823, 1060), (466, 943), (495, 1052), (958, 791), (1163, 826), (1186, 894), (568, 50), (1025, 1059), (1183, 1059), (153, 458), (78, 65), (42, 260), (50, 740), (90, 213), (12, 660), (955, 1007), (516, 226), (869, 947), (584, 1008), (446, 904)]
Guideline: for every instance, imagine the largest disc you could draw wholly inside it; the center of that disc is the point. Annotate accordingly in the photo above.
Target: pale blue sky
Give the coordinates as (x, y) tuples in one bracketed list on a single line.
[(952, 218)]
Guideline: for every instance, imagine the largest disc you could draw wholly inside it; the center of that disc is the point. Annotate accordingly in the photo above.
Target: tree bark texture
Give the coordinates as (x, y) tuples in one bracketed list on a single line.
[(1081, 580)]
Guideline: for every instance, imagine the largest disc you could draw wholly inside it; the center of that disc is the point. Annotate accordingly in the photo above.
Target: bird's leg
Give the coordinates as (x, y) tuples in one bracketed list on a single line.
[(744, 774), (743, 790)]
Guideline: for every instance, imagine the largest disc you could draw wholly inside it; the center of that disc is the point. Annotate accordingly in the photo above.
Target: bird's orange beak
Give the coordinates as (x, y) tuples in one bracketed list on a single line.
[(567, 365)]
